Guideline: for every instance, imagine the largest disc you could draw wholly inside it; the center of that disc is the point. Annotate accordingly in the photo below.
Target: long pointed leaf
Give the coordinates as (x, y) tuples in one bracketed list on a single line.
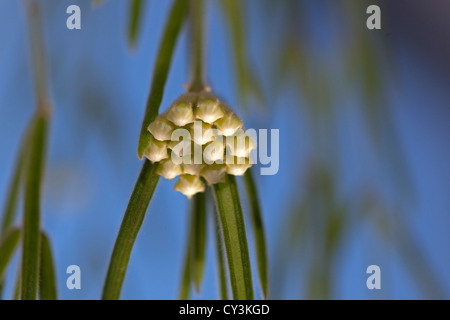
[(233, 227), (163, 61), (31, 227), (131, 223), (199, 239), (220, 261), (14, 188), (185, 287), (7, 248), (47, 276), (258, 232), (135, 21)]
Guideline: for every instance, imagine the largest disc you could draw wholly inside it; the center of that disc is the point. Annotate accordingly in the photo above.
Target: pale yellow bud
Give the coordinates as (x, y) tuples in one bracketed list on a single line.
[(214, 173), (189, 185), (214, 151), (237, 166), (156, 150), (208, 108), (240, 144), (193, 169), (181, 112), (228, 124), (161, 129), (201, 132), (168, 169)]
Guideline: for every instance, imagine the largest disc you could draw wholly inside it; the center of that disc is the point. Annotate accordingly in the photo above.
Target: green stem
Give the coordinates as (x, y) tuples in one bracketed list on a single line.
[(162, 65), (198, 81), (220, 261), (233, 227), (31, 226), (258, 232), (47, 275), (7, 247), (131, 223), (199, 238)]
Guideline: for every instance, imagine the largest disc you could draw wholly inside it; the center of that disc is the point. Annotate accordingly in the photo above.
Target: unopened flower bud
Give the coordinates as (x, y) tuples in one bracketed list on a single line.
[(161, 129), (214, 151), (193, 169), (228, 124), (208, 108), (181, 112), (201, 132), (156, 150), (240, 144), (237, 166), (214, 173), (168, 169), (189, 185)]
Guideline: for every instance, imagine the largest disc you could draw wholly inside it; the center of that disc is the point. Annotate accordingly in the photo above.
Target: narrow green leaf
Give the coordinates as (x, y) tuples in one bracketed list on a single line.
[(31, 225), (163, 61), (131, 223), (16, 295), (220, 261), (198, 238), (47, 276), (14, 187), (7, 247), (258, 232), (185, 287), (135, 21), (233, 227)]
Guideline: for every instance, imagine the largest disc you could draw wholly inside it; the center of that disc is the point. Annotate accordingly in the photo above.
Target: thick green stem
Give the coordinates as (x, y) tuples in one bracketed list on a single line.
[(31, 226), (131, 223), (232, 225), (198, 81), (161, 70)]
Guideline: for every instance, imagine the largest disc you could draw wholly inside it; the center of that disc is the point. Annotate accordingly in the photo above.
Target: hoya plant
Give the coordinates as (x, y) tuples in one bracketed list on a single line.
[(199, 140)]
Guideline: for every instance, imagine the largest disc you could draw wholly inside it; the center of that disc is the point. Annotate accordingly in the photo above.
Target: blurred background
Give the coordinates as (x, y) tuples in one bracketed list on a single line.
[(364, 126)]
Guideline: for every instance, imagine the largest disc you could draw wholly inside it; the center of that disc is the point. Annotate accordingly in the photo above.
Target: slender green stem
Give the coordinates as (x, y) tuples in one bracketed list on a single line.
[(185, 287), (37, 54), (220, 261), (163, 61), (258, 232), (47, 275), (199, 238), (135, 21), (31, 225), (7, 247), (131, 223), (198, 81), (233, 227)]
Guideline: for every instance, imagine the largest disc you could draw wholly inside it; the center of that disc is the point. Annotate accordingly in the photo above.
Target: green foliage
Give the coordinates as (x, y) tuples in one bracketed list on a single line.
[(233, 228), (131, 223)]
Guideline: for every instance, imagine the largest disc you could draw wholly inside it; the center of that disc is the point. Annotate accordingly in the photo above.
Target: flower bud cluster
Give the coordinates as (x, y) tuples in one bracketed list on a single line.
[(199, 138)]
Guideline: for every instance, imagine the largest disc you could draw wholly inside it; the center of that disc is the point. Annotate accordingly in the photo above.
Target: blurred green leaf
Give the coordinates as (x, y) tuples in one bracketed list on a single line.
[(258, 231), (14, 187), (247, 83), (232, 223), (186, 280), (34, 168), (7, 247), (131, 223), (47, 275), (163, 61), (199, 238), (134, 21)]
